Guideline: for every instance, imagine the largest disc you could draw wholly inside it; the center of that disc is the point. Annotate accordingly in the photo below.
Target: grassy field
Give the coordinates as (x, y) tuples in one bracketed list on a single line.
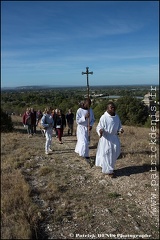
[(60, 196)]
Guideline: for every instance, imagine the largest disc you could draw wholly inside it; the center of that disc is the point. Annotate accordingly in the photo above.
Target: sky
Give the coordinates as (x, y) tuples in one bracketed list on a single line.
[(52, 43)]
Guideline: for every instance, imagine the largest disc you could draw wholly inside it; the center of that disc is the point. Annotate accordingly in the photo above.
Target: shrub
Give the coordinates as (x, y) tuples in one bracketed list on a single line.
[(6, 122)]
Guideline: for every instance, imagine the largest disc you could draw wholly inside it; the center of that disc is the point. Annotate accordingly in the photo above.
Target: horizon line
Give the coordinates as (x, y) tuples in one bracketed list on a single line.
[(33, 86)]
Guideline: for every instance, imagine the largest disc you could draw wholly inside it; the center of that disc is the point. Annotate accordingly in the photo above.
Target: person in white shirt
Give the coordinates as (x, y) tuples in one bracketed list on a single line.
[(48, 123)]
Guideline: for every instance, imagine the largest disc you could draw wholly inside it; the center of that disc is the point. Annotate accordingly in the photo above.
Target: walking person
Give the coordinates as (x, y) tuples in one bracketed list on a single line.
[(55, 133), (70, 121), (60, 124), (27, 120), (48, 123), (33, 124), (92, 115), (83, 113), (39, 115), (108, 149), (55, 114)]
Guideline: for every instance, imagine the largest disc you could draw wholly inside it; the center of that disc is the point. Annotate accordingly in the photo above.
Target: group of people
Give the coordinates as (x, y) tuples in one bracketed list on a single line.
[(55, 119), (32, 118), (108, 129)]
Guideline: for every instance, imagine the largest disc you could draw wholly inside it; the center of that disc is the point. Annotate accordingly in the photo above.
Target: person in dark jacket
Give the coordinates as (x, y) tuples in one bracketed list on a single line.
[(33, 124), (60, 124), (70, 121), (54, 114)]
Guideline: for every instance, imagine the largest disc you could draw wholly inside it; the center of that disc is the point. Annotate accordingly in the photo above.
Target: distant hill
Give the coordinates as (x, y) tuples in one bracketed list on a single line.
[(35, 87)]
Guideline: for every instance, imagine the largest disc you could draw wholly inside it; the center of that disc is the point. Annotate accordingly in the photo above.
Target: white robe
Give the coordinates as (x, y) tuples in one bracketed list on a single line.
[(108, 148), (82, 146)]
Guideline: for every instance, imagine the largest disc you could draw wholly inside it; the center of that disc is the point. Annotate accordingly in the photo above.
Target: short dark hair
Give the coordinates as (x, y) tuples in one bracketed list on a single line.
[(110, 103), (81, 104)]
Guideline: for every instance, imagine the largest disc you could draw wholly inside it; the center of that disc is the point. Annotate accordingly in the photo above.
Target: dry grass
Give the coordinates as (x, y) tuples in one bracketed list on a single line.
[(60, 196)]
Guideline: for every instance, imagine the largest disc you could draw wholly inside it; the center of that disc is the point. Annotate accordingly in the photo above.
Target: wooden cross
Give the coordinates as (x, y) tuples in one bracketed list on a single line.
[(87, 72)]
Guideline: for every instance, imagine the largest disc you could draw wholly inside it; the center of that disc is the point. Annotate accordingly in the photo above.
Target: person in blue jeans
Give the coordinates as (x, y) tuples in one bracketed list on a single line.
[(48, 123)]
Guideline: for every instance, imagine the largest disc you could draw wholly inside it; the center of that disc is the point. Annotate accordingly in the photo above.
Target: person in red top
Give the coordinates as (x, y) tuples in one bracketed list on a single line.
[(60, 124), (27, 120)]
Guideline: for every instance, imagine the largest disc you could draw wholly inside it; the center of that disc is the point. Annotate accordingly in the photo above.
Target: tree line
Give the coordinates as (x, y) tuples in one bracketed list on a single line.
[(131, 110)]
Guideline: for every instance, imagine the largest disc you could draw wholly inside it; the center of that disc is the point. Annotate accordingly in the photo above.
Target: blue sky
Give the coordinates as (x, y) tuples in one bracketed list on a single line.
[(52, 42)]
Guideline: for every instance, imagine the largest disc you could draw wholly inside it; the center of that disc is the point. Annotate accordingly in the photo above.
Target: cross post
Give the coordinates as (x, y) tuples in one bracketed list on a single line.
[(87, 73)]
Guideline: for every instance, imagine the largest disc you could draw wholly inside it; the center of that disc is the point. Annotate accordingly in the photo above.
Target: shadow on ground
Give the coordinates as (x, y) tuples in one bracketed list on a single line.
[(127, 171)]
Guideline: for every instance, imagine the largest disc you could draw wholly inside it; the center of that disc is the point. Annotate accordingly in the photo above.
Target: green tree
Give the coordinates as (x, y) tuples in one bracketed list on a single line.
[(132, 111)]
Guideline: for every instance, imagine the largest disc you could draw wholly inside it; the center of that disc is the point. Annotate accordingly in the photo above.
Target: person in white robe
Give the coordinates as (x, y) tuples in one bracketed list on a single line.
[(108, 149), (82, 115)]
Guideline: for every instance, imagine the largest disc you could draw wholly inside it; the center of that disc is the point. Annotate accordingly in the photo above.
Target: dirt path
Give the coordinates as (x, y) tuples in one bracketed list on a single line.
[(79, 202)]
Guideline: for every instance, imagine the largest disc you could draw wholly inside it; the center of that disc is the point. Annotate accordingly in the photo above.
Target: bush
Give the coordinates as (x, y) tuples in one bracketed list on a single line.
[(6, 122)]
